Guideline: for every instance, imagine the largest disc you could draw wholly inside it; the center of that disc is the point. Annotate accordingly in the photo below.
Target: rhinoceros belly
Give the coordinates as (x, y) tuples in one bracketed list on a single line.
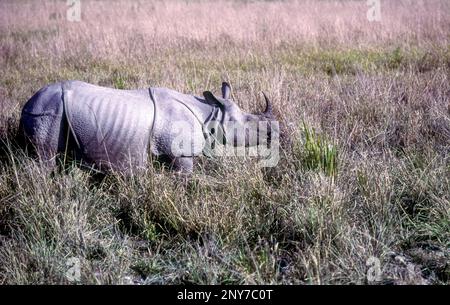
[(112, 126)]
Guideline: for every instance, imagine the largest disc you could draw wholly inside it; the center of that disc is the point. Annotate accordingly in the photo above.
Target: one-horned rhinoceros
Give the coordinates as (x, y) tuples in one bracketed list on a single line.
[(116, 129)]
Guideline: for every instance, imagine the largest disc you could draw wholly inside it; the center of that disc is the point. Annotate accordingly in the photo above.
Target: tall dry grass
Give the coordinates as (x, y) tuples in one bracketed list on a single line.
[(365, 175), (114, 28)]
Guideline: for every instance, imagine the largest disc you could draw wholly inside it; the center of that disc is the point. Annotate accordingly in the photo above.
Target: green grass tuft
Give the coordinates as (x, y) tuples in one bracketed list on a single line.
[(318, 153)]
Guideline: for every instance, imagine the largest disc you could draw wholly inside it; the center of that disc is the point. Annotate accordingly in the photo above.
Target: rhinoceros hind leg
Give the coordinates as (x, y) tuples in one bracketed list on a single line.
[(183, 164), (42, 121), (46, 138)]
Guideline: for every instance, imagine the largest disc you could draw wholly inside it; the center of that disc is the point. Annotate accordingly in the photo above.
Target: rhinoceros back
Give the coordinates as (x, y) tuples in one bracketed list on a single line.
[(112, 127)]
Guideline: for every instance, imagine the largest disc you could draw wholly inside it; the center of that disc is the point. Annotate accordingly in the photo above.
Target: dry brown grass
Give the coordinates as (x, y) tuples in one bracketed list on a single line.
[(378, 92), (124, 28)]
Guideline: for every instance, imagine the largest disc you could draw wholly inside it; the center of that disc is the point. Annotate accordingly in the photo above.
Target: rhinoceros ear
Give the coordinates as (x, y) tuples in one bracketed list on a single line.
[(215, 101), (226, 90)]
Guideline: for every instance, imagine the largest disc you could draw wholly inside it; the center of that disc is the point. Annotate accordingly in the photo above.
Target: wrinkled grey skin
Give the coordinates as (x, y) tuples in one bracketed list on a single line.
[(115, 129)]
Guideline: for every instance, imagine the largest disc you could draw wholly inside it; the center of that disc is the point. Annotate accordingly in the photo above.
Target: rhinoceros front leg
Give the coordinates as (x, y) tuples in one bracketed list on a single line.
[(183, 164)]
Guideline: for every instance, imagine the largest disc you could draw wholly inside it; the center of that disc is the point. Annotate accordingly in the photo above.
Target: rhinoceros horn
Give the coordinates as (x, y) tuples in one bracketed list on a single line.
[(268, 105)]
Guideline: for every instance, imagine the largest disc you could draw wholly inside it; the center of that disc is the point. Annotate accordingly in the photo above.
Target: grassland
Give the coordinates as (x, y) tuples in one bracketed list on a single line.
[(364, 175)]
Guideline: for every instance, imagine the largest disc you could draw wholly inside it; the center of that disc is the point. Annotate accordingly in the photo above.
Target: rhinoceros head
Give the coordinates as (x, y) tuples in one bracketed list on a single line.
[(241, 128)]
